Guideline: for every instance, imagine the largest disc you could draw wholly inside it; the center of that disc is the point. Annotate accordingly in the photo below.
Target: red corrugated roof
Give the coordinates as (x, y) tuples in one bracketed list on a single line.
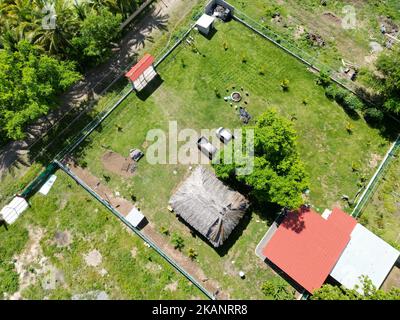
[(342, 220), (140, 67), (306, 246)]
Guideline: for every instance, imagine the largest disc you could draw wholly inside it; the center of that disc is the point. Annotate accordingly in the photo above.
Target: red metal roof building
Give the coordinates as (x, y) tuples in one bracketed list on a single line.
[(142, 73), (307, 246)]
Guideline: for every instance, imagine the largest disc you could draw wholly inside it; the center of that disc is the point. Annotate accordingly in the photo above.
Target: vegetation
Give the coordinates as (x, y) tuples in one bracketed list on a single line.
[(382, 213), (127, 269), (385, 81), (277, 289), (177, 241), (40, 47), (191, 100), (97, 31), (29, 84), (369, 292), (278, 176)]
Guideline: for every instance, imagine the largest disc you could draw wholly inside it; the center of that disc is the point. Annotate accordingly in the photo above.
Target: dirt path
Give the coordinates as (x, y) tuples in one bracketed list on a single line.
[(162, 18), (124, 207)]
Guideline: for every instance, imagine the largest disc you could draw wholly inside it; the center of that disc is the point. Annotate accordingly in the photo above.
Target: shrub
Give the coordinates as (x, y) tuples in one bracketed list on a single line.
[(217, 93), (324, 79), (244, 58), (192, 254), (373, 115), (177, 241), (285, 84), (277, 289), (349, 128), (352, 102), (164, 231), (330, 91), (226, 46)]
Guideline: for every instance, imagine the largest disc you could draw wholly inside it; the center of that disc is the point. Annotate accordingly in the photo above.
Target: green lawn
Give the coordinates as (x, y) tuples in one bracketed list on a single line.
[(187, 95), (133, 271), (382, 213), (350, 44)]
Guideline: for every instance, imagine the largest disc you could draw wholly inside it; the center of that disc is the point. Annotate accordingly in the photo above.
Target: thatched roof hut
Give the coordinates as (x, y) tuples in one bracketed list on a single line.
[(209, 206)]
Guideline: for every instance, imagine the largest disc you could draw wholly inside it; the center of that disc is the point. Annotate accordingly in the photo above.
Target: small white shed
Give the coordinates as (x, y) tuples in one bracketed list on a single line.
[(205, 24), (14, 209), (135, 217)]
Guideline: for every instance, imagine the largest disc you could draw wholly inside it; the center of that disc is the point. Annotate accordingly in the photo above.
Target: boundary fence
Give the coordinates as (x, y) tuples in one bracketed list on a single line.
[(289, 48), (373, 183), (83, 134), (134, 229)]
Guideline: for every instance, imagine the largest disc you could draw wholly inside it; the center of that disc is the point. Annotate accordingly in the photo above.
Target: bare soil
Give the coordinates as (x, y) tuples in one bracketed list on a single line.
[(116, 163)]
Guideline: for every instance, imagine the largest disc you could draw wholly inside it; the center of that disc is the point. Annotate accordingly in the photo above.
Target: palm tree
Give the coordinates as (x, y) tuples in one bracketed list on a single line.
[(56, 40)]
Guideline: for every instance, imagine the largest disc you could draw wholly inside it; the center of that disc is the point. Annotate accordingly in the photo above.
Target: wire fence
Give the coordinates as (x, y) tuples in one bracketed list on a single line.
[(303, 56), (374, 182), (134, 229)]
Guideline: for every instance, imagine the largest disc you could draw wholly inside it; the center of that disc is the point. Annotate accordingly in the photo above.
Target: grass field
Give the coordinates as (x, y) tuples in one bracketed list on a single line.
[(325, 21), (55, 267), (334, 158), (382, 213)]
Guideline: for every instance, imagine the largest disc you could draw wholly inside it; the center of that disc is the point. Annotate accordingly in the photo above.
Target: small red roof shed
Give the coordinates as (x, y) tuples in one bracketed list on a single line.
[(306, 246), (139, 68), (142, 73)]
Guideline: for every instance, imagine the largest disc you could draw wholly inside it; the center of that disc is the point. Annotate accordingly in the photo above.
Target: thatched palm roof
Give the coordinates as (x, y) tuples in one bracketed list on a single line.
[(209, 206)]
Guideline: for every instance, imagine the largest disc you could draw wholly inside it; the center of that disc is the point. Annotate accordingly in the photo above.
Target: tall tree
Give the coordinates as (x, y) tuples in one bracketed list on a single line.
[(278, 175), (29, 84)]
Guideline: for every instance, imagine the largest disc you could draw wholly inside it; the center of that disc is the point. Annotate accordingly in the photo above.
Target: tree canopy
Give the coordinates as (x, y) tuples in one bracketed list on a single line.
[(388, 64), (278, 175), (29, 84), (369, 292)]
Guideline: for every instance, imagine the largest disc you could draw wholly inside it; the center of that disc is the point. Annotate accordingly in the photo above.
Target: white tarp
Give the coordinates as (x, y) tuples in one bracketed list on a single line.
[(365, 255), (135, 217), (47, 186), (13, 210)]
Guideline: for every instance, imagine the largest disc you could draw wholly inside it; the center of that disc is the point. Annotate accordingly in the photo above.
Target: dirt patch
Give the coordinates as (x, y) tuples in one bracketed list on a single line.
[(299, 32), (91, 295), (115, 163), (93, 258), (31, 265), (134, 252), (122, 205), (393, 279), (172, 286), (62, 239), (375, 160), (331, 18)]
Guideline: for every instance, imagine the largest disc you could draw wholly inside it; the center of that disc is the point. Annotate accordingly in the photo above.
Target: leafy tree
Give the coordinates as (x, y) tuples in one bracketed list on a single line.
[(277, 289), (278, 175), (29, 84), (98, 30), (369, 292)]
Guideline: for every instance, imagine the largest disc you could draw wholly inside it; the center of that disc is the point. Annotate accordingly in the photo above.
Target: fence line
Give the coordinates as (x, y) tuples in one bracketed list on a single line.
[(293, 54), (135, 14), (371, 187), (134, 229)]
